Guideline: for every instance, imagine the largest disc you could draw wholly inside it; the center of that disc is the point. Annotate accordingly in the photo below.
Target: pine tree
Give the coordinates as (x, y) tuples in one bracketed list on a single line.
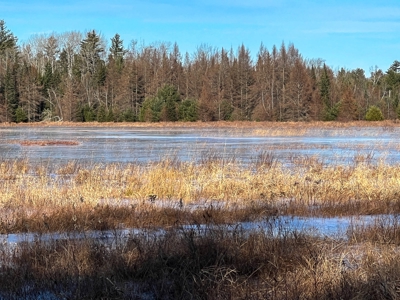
[(92, 69), (325, 87), (374, 114), (188, 111), (395, 66), (48, 79), (117, 50), (169, 95), (91, 50), (8, 72), (11, 93), (329, 110), (20, 115), (7, 39)]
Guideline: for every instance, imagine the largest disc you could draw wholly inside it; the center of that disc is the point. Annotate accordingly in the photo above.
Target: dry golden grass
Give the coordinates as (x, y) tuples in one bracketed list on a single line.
[(118, 193), (213, 264), (210, 263), (387, 124)]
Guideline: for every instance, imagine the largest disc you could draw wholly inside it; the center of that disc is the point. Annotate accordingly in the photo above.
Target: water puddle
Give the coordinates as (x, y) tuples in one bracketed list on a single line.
[(336, 227)]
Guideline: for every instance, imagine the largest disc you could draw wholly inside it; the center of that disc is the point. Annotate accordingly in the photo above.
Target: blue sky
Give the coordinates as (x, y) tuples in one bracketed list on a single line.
[(350, 34)]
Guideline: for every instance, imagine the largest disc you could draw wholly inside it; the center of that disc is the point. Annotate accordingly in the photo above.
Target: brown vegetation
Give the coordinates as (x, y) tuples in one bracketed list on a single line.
[(159, 194), (73, 77), (195, 255), (213, 263), (46, 143), (217, 124)]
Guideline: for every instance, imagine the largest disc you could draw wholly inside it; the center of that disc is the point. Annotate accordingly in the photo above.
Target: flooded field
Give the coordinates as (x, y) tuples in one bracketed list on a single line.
[(144, 144), (335, 227), (107, 212)]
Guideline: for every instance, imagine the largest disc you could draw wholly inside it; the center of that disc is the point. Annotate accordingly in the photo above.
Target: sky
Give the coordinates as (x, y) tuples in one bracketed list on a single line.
[(345, 34)]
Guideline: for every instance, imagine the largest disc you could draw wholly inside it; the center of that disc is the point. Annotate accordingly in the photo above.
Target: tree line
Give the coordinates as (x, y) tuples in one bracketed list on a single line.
[(80, 77)]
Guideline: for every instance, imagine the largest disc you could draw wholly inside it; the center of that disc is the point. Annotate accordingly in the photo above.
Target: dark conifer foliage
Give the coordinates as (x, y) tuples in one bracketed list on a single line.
[(86, 77)]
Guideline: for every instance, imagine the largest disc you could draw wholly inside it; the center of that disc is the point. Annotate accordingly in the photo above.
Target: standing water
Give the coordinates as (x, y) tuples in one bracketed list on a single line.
[(144, 144)]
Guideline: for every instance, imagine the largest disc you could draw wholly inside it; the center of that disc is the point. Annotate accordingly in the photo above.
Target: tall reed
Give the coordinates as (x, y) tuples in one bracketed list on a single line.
[(309, 187)]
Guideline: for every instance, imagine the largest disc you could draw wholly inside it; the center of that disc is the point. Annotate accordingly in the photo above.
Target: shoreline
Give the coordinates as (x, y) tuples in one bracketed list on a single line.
[(216, 124)]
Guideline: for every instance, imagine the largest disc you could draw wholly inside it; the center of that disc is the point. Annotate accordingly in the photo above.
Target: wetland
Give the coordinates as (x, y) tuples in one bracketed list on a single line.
[(276, 211)]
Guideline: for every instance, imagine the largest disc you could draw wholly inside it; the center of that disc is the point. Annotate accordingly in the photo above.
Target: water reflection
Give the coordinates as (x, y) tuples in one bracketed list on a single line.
[(335, 227), (101, 145)]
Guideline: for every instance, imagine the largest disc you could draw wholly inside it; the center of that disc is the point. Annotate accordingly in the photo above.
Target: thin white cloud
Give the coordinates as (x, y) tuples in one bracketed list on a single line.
[(354, 27)]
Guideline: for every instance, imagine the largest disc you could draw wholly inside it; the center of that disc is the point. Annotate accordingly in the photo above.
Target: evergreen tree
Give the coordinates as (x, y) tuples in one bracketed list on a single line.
[(92, 69), (110, 116), (168, 112), (117, 50), (392, 92), (325, 87), (11, 93), (188, 111), (7, 39), (101, 114), (226, 110), (330, 111), (393, 76), (395, 67), (91, 51), (85, 113), (49, 79), (8, 73), (151, 110), (20, 115), (163, 107), (128, 116), (374, 114), (101, 75), (169, 95)]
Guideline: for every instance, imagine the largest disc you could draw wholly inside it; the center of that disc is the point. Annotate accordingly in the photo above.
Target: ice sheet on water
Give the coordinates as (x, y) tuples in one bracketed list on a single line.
[(150, 144)]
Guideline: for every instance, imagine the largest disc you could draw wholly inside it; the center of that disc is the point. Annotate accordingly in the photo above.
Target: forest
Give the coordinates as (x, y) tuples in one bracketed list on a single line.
[(85, 77)]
